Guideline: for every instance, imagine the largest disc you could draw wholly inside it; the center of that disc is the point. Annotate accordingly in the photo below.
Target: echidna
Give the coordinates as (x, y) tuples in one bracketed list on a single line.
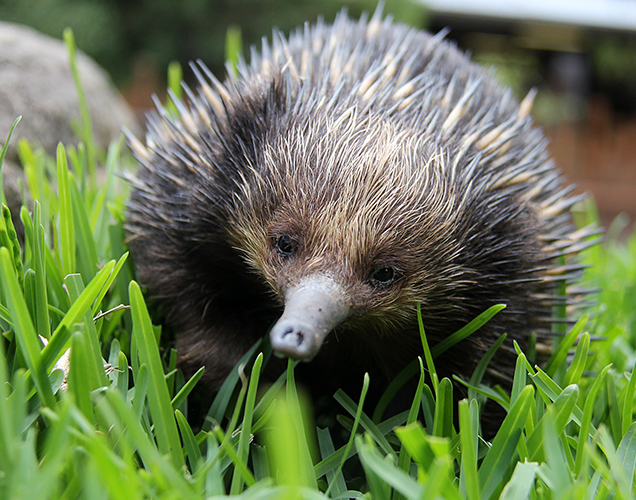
[(346, 174)]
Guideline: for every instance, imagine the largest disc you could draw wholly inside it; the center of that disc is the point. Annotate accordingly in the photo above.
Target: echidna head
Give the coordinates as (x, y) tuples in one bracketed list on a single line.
[(334, 214)]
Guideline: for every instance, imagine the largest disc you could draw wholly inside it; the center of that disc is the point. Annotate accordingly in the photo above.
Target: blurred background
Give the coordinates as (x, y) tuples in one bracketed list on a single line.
[(579, 54)]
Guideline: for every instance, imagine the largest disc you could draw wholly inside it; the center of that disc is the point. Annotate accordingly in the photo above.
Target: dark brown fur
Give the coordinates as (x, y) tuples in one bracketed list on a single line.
[(369, 145)]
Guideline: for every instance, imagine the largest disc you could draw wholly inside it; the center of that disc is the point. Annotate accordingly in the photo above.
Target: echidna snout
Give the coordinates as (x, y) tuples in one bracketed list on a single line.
[(313, 308)]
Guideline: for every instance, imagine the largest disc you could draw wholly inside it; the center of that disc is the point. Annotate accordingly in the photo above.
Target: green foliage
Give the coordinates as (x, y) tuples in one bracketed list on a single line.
[(613, 271), (117, 426), (97, 24), (120, 33)]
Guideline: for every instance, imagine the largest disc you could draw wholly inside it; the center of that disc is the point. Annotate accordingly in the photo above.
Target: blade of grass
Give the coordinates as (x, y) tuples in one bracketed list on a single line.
[(27, 224), (86, 252), (86, 128), (3, 154), (67, 229), (427, 352), (99, 215), (626, 452), (559, 413), (211, 470), (140, 390), (549, 391), (480, 369), (404, 460), (41, 296), (422, 447), (219, 406), (498, 458), (13, 243), (443, 419), (396, 384), (58, 440), (158, 398), (123, 378), (24, 330), (349, 445), (80, 384), (554, 471), (175, 91), (521, 482), (367, 424), (469, 480), (183, 393), (327, 449), (111, 278), (94, 368), (574, 372), (467, 330), (114, 409), (559, 355), (428, 407), (246, 429), (628, 401), (57, 296), (384, 474), (189, 441), (233, 48), (8, 412), (417, 399), (520, 378), (303, 442), (227, 447), (439, 481), (615, 416)]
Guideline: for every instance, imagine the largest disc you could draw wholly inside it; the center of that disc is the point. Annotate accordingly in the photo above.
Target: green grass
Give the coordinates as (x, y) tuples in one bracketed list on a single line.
[(118, 426)]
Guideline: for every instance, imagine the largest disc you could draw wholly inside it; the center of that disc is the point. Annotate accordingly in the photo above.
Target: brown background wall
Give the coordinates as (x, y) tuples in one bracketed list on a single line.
[(599, 155)]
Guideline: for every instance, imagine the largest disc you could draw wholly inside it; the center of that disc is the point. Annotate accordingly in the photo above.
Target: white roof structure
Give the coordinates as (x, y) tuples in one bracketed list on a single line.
[(604, 14)]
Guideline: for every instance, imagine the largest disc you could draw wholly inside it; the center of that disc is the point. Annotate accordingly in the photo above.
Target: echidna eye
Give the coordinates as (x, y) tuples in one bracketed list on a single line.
[(285, 245), (383, 275)]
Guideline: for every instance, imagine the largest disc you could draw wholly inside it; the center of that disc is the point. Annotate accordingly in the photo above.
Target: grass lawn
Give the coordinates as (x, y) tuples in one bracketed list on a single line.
[(117, 426)]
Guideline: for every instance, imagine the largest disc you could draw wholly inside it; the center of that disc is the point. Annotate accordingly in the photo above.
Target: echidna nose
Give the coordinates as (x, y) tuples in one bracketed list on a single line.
[(313, 308), (288, 339)]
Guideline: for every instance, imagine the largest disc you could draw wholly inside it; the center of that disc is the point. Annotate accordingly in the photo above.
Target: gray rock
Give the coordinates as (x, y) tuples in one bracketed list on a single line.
[(36, 82)]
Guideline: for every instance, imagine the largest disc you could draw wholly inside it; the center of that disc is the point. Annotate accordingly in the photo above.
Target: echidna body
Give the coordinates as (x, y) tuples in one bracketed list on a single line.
[(345, 175)]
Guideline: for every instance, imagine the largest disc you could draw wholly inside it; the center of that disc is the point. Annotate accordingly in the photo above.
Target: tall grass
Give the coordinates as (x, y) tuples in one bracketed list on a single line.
[(116, 426)]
